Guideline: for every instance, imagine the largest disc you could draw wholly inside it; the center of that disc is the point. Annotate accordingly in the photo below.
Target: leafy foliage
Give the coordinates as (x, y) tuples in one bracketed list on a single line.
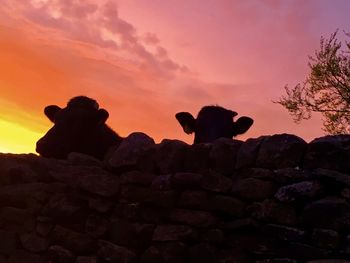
[(326, 88)]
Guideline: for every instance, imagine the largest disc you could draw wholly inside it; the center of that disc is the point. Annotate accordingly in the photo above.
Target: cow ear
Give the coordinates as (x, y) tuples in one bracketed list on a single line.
[(51, 111), (242, 125), (102, 116), (187, 121)]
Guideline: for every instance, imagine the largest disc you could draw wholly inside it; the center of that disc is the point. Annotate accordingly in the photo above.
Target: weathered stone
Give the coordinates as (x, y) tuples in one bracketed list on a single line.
[(214, 236), (29, 196), (8, 242), (277, 260), (128, 234), (202, 252), (15, 219), (58, 254), (298, 191), (86, 259), (223, 155), (259, 173), (137, 177), (330, 212), (194, 199), (169, 252), (162, 182), (34, 243), (217, 183), (284, 233), (329, 152), (248, 152), (292, 175), (227, 205), (281, 151), (83, 159), (21, 256), (92, 179), (253, 189), (77, 242), (112, 253), (131, 150), (149, 196), (329, 261), (325, 238), (100, 205), (192, 217), (185, 180), (174, 233), (303, 252), (274, 212), (197, 157), (239, 224), (170, 156), (44, 225), (334, 179), (96, 225), (234, 255), (346, 193)]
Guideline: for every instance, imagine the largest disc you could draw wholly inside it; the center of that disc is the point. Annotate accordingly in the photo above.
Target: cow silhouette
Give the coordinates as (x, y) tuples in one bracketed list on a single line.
[(79, 127), (213, 122)]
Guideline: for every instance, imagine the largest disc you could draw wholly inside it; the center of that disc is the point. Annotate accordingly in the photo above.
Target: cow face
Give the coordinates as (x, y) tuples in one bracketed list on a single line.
[(75, 128), (213, 122)]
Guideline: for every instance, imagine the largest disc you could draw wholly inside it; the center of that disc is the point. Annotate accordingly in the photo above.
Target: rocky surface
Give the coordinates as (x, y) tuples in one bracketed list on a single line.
[(273, 199)]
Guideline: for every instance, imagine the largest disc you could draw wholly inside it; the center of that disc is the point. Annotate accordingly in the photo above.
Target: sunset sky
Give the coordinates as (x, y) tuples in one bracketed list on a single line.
[(145, 60)]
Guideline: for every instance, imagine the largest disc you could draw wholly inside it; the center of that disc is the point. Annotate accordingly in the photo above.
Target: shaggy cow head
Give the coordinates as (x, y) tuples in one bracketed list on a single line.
[(77, 128), (212, 123)]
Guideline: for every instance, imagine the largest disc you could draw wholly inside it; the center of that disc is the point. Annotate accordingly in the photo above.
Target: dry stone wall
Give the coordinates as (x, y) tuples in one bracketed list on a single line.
[(272, 199)]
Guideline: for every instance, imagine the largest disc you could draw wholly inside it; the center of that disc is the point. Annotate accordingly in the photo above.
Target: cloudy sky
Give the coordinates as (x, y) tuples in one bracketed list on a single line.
[(145, 60)]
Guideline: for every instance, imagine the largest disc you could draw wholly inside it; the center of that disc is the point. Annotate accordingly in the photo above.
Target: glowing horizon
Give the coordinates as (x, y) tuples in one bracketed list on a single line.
[(145, 60)]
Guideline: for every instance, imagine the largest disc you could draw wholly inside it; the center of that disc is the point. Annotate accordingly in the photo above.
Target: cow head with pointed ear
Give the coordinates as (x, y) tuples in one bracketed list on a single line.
[(213, 122)]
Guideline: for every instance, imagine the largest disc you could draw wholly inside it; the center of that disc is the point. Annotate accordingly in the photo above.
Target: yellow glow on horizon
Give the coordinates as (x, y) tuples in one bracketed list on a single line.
[(15, 138)]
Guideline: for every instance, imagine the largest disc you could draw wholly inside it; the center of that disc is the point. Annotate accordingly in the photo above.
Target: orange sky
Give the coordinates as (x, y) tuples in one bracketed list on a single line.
[(145, 60)]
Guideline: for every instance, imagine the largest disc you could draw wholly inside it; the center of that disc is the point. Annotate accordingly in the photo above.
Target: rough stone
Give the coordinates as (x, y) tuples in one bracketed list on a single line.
[(227, 205), (92, 179), (325, 238), (112, 253), (281, 151), (20, 256), (77, 242), (253, 189), (169, 252), (186, 180), (170, 156), (197, 158), (17, 220), (194, 199), (223, 155), (298, 191), (137, 177), (131, 150), (285, 233), (216, 182), (202, 252), (128, 234), (58, 254), (192, 217), (248, 152), (8, 242), (96, 225), (174, 233), (86, 259), (34, 243), (329, 152), (269, 210), (330, 212)]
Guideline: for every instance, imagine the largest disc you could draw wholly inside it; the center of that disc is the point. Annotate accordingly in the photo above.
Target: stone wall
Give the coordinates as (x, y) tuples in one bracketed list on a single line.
[(273, 199)]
